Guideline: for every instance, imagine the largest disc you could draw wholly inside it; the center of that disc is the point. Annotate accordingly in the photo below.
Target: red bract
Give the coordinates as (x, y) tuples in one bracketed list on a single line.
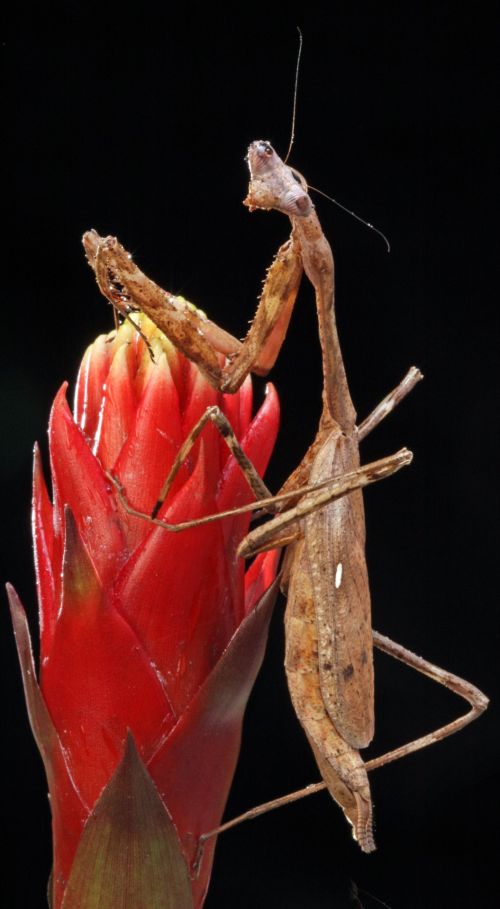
[(143, 630)]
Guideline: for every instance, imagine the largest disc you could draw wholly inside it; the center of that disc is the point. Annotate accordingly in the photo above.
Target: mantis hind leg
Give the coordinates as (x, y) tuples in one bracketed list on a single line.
[(477, 700)]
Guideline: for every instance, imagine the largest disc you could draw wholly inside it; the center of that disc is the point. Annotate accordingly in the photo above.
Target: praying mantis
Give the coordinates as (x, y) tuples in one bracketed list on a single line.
[(318, 515)]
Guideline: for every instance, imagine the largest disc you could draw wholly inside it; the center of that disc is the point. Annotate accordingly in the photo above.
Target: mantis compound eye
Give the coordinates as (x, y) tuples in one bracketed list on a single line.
[(261, 158), (263, 147)]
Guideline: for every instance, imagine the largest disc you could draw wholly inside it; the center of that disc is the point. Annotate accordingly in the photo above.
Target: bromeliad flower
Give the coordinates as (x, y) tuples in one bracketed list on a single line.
[(149, 641)]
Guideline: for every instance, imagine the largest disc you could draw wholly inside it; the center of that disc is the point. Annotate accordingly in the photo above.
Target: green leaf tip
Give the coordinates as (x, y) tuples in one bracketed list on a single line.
[(129, 855)]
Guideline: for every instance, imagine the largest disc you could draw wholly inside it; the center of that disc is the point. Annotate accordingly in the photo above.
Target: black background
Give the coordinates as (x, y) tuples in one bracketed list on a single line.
[(137, 124)]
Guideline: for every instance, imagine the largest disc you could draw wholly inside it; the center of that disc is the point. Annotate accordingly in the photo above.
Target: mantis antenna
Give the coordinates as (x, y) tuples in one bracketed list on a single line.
[(301, 179), (353, 214), (295, 88)]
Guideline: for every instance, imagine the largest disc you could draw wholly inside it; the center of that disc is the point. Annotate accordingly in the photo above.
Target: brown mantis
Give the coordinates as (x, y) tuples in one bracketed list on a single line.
[(329, 638)]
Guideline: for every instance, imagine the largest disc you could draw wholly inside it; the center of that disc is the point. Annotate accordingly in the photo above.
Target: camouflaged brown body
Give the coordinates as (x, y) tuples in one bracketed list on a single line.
[(335, 543), (340, 764)]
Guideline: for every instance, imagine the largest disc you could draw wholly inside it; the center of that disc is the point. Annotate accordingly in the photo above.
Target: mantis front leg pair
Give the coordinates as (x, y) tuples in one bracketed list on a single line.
[(129, 290)]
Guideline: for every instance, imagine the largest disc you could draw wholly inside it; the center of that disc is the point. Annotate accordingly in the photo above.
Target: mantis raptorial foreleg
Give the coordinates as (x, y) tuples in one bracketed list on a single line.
[(188, 328)]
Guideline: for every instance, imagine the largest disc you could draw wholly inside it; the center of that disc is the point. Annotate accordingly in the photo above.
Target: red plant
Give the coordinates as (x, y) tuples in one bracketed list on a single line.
[(143, 631)]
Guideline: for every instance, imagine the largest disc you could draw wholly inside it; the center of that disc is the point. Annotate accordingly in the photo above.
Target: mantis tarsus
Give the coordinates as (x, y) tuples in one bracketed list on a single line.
[(329, 638)]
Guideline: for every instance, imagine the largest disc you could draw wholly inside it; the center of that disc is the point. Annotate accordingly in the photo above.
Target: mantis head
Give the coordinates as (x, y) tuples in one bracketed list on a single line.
[(275, 185)]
